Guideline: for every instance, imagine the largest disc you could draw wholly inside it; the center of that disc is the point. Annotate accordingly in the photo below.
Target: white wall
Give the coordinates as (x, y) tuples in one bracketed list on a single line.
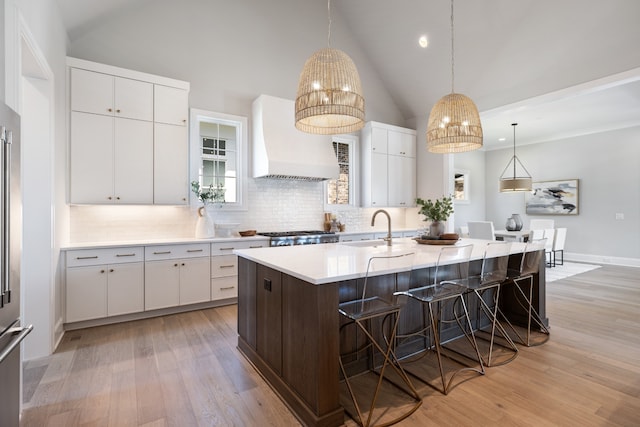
[(608, 167)]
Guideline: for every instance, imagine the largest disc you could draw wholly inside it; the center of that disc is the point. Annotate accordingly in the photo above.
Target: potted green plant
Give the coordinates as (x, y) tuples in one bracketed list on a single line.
[(437, 212)]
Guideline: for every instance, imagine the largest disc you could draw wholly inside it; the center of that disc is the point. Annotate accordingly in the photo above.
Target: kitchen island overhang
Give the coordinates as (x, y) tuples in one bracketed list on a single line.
[(288, 322)]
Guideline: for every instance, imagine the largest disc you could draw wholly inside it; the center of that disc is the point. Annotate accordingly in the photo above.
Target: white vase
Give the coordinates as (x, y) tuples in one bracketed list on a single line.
[(205, 226)]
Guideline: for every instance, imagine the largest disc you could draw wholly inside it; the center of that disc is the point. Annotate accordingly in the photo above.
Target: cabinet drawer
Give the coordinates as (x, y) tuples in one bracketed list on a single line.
[(227, 248), (224, 287), (152, 253), (224, 265), (83, 257)]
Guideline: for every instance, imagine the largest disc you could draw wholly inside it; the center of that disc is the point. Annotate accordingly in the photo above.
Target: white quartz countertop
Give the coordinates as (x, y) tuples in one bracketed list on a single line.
[(334, 262), (149, 242)]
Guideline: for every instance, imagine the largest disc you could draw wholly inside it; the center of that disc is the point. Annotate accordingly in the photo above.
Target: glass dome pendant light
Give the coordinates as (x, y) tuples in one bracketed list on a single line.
[(454, 123), (329, 100), (515, 182)]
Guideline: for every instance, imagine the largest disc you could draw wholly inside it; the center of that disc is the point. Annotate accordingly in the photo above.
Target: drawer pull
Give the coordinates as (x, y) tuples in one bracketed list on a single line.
[(228, 266), (226, 288), (227, 249), (194, 250), (87, 257), (162, 253), (119, 255), (253, 247)]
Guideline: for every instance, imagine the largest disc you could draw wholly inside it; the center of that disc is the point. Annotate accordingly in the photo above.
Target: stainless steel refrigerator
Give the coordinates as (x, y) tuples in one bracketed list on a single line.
[(11, 330)]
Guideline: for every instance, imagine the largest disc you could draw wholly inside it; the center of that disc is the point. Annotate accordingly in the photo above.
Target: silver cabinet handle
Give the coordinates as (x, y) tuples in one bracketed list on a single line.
[(162, 252), (87, 257), (227, 266), (227, 249), (227, 288), (253, 247), (194, 250), (119, 255)]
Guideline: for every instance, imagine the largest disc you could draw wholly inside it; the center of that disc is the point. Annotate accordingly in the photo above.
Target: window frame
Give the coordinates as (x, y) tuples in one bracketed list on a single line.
[(197, 116), (353, 141)]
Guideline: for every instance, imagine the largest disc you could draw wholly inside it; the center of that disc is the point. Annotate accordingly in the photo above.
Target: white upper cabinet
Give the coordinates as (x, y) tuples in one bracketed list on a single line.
[(128, 136), (388, 166), (100, 93), (171, 105)]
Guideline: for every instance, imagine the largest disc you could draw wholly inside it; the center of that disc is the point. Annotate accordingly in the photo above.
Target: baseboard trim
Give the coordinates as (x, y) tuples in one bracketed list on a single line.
[(602, 259)]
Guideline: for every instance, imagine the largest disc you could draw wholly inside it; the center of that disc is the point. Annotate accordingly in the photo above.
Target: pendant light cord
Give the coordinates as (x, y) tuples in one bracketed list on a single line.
[(329, 19), (452, 52), (514, 149)]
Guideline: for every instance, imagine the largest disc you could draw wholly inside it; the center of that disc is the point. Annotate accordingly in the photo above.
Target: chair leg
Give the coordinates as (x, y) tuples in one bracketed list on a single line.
[(492, 314), (532, 314), (389, 359)]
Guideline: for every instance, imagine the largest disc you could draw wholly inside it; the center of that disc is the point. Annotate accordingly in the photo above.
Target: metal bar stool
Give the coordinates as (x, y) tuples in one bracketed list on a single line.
[(361, 312), (523, 278), (486, 288), (438, 300)]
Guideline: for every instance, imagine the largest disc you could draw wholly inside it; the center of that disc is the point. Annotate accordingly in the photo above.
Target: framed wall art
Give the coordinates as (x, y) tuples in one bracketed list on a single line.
[(553, 198)]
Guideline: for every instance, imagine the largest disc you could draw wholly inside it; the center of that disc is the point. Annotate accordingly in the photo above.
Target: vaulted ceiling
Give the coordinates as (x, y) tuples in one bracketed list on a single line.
[(559, 68)]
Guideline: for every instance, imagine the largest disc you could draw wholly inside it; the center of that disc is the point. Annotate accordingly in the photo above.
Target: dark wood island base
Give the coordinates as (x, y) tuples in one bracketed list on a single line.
[(289, 330)]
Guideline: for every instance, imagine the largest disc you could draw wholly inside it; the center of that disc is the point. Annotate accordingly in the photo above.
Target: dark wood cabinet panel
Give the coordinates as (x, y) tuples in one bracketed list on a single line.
[(269, 316)]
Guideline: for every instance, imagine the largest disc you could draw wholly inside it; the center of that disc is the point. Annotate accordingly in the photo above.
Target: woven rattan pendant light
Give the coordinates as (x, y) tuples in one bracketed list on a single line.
[(329, 99), (454, 123), (517, 181)]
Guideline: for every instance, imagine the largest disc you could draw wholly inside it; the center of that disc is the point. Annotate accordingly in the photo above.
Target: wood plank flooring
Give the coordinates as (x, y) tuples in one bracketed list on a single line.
[(185, 370)]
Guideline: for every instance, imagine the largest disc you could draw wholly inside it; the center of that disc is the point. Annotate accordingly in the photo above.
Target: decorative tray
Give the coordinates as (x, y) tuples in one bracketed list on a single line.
[(436, 241)]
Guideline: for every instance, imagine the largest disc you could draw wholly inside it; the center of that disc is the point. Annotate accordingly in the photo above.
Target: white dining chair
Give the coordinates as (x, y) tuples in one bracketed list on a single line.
[(549, 235), (481, 230), (464, 231), (558, 245)]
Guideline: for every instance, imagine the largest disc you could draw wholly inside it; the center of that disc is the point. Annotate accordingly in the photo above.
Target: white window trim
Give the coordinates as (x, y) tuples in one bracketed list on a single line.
[(197, 116), (354, 176)]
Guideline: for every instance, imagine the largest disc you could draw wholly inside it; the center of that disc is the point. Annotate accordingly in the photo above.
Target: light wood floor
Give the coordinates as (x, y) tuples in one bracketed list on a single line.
[(185, 370)]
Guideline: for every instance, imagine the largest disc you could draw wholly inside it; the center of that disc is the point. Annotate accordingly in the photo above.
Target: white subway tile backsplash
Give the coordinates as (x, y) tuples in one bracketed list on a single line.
[(273, 205)]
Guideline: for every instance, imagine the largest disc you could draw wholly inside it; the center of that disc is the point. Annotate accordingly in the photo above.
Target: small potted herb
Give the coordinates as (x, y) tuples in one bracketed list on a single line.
[(437, 212)]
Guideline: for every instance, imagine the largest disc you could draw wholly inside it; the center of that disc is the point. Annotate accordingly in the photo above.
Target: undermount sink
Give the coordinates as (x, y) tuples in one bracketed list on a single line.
[(372, 243)]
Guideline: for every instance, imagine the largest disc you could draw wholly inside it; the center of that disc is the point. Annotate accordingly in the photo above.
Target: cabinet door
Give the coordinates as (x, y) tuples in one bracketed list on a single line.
[(133, 167), (378, 178), (170, 172), (133, 99), (125, 289), (195, 282), (402, 181), (91, 179), (379, 140), (171, 105), (91, 92), (161, 284), (86, 293)]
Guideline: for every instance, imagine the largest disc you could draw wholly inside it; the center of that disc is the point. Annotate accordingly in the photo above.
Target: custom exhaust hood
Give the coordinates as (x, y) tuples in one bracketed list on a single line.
[(282, 151)]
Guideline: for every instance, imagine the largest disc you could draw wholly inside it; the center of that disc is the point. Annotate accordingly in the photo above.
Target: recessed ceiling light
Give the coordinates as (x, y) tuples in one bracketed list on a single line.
[(423, 42), (502, 139)]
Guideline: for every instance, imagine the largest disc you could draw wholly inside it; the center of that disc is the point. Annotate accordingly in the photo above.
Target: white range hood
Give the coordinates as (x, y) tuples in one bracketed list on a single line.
[(282, 151)]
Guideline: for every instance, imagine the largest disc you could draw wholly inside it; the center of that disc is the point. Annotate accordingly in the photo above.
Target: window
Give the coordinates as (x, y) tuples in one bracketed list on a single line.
[(218, 147), (342, 191)]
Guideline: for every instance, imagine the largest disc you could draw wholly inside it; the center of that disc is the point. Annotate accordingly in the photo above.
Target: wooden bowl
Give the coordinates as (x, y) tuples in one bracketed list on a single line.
[(449, 236), (247, 233)]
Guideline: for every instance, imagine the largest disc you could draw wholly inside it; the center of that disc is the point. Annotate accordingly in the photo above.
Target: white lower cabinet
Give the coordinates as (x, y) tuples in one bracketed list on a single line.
[(176, 275), (104, 282)]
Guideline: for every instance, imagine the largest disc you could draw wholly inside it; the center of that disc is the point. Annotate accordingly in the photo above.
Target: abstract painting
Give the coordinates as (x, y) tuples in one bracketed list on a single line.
[(553, 198)]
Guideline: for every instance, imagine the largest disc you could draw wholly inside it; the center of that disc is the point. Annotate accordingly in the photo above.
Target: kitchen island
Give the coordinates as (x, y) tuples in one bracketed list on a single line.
[(288, 321)]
